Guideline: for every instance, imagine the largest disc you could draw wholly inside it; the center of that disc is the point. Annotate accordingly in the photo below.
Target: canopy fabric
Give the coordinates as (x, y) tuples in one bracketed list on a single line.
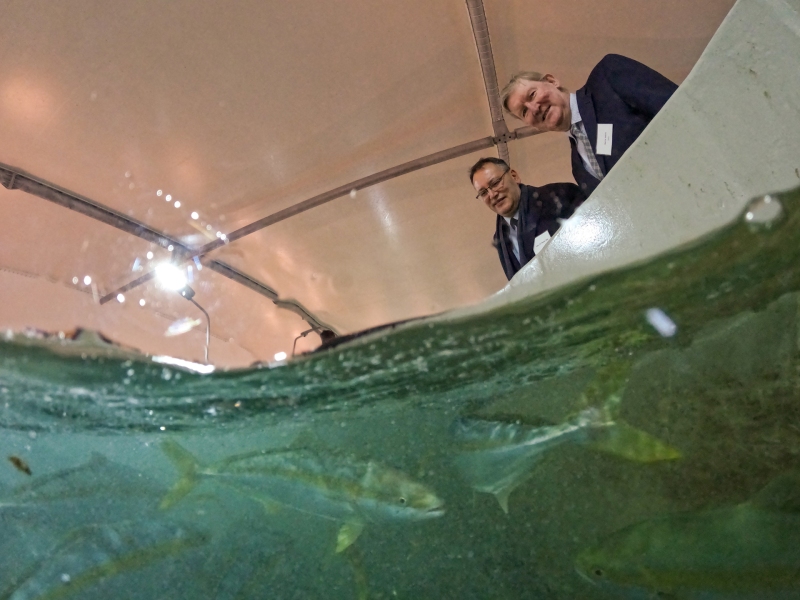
[(238, 111)]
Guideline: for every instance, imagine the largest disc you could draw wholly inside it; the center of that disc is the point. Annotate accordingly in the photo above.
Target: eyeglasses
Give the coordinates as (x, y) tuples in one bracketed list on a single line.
[(493, 186)]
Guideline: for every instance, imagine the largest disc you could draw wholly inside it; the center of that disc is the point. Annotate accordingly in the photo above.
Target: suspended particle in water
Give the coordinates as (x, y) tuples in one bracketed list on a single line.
[(764, 210), (661, 322), (20, 464), (65, 578)]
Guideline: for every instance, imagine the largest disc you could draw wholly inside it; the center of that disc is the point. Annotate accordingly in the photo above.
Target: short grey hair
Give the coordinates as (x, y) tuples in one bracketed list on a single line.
[(521, 76)]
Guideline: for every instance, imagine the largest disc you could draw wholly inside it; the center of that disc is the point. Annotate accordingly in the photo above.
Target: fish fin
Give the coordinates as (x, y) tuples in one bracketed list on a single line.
[(354, 556), (781, 494), (502, 498), (625, 441), (187, 466), (348, 534)]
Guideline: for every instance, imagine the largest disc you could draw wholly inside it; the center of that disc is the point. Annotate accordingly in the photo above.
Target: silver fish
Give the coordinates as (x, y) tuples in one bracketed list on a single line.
[(324, 485), (497, 457), (89, 555), (746, 552)]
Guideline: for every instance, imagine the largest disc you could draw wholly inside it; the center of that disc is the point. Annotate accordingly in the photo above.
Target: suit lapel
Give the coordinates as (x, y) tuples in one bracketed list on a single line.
[(528, 221), (586, 106)]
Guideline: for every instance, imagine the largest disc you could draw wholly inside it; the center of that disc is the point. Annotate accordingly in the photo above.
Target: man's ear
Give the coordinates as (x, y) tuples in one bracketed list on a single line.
[(514, 175), (551, 79)]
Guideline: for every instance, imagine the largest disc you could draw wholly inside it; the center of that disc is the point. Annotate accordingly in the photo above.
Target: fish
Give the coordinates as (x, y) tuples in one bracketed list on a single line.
[(181, 326), (496, 457), (97, 490), (20, 464), (91, 554), (747, 551), (323, 484)]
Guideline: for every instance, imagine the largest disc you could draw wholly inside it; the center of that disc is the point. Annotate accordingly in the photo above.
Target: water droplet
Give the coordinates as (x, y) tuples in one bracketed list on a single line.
[(66, 578), (75, 280), (353, 193), (765, 210), (168, 198), (177, 203), (87, 280), (142, 302), (158, 193), (149, 256), (661, 322), (170, 247), (120, 298), (195, 216)]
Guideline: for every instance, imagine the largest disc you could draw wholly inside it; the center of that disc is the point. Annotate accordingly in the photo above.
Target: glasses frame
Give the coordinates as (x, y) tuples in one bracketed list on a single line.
[(493, 186)]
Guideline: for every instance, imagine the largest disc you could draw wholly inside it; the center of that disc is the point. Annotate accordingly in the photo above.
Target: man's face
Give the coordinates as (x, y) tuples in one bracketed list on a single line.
[(541, 104), (498, 188)]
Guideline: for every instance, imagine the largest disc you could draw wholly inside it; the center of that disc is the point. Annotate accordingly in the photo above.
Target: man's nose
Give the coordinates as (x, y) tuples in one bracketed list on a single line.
[(533, 109)]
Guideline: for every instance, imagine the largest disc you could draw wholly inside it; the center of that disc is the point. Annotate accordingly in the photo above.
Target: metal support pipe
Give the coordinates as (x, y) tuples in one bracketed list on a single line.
[(480, 30)]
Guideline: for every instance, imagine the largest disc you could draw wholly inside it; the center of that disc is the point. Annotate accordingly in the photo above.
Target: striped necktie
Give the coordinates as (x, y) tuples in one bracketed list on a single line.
[(581, 137)]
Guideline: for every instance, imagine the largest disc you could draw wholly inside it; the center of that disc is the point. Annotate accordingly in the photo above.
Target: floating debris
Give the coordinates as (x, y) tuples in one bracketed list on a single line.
[(20, 464)]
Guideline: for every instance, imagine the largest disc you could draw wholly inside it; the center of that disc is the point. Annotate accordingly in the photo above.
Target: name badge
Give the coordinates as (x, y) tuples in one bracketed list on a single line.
[(540, 242), (604, 138)]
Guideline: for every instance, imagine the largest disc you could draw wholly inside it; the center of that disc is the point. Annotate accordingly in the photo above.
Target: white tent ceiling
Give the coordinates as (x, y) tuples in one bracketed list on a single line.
[(240, 110)]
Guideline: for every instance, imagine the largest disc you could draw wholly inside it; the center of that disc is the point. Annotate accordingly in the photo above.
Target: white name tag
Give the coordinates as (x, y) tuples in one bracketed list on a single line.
[(604, 138), (540, 242)]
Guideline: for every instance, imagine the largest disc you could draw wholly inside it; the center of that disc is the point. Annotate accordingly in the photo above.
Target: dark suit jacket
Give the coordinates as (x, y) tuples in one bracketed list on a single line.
[(626, 94), (540, 209)]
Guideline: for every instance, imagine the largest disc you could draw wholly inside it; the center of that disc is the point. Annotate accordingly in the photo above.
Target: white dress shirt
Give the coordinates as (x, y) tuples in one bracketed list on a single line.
[(514, 235)]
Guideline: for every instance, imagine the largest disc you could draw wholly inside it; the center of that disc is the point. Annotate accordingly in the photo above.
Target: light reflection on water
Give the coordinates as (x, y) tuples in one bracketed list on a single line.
[(722, 390)]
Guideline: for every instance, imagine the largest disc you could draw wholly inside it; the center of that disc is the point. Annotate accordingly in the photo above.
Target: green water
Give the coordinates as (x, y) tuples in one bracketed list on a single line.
[(723, 391)]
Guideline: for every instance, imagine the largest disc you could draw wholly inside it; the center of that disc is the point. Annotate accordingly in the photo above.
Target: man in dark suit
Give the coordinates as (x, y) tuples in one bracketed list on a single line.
[(527, 216), (603, 118)]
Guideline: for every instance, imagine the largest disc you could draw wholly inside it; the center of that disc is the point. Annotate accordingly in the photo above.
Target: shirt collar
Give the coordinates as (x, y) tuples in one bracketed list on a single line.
[(516, 216), (573, 107)]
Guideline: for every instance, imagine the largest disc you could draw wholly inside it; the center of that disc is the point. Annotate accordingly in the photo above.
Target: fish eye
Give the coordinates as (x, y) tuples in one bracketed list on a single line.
[(598, 572), (402, 500)]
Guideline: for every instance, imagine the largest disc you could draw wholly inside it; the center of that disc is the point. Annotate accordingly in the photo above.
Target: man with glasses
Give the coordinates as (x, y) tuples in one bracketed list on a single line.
[(527, 216), (602, 119)]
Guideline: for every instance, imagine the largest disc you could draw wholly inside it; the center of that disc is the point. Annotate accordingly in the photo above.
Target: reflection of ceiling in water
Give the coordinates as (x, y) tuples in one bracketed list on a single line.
[(199, 122)]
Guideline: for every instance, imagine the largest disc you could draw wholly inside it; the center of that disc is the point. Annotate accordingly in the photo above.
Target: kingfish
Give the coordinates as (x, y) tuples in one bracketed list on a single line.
[(98, 490), (89, 555), (746, 552), (322, 484), (496, 457)]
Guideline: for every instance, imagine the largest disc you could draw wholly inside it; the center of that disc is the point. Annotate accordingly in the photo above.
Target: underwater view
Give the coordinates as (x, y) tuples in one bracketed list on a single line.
[(635, 435)]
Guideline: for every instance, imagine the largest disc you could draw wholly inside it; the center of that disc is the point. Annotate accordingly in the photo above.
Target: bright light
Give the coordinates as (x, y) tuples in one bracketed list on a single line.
[(170, 247), (280, 356), (142, 302), (168, 198), (120, 298), (87, 280), (170, 276), (149, 256), (195, 216), (158, 193), (177, 203), (177, 362)]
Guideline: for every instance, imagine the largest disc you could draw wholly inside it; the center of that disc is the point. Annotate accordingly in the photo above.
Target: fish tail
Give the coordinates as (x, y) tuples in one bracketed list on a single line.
[(187, 466)]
